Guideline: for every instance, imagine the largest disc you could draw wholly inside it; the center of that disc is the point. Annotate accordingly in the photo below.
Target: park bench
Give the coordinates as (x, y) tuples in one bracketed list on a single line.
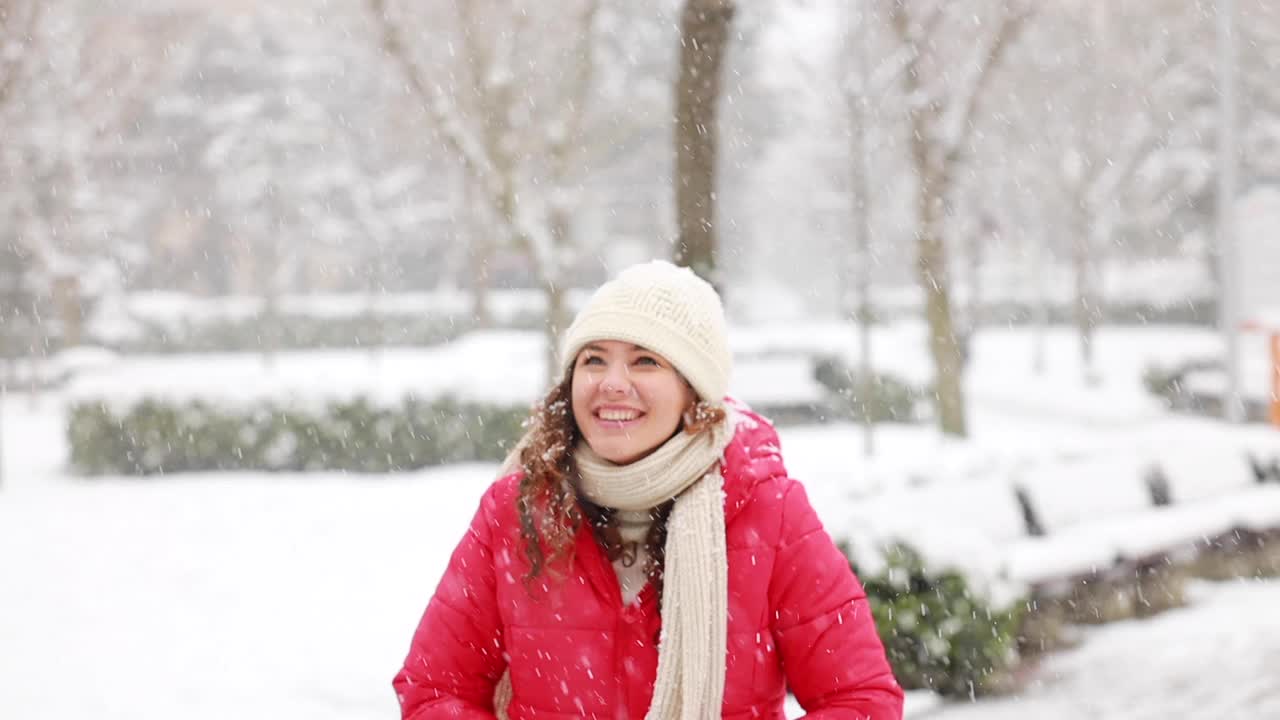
[(1122, 523), (1122, 544)]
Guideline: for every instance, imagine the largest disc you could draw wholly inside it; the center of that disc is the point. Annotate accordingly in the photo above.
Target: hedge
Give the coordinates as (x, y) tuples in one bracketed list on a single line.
[(879, 398), (155, 437), (1168, 382)]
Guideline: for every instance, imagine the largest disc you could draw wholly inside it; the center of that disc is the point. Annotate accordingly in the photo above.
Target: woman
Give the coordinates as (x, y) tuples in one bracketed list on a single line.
[(647, 557)]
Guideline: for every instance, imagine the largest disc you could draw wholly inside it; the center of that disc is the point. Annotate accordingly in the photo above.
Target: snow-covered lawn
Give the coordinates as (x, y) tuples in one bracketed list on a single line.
[(214, 596), (294, 596)]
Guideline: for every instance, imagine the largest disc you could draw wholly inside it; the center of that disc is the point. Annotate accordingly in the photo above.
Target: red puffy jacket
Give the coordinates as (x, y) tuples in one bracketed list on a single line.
[(798, 617)]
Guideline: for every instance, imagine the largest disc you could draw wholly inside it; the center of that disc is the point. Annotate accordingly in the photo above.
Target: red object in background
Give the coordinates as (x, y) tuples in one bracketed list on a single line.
[(1275, 379)]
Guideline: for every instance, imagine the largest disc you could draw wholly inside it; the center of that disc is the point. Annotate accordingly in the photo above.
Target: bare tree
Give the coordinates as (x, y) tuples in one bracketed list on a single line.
[(278, 162), (704, 38), (857, 94), (18, 22), (1114, 124), (516, 126), (943, 94), (83, 79), (70, 81)]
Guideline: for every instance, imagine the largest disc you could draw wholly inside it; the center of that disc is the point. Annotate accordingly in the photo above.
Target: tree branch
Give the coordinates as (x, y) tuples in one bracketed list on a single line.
[(470, 152), (922, 30), (960, 111), (492, 169), (566, 146), (15, 39)]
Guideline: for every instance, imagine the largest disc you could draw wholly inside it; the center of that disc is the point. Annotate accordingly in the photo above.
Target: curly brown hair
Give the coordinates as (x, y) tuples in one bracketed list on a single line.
[(551, 512)]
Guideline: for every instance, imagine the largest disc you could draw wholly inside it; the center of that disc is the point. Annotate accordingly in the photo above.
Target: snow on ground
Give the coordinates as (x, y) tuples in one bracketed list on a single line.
[(213, 596), (1216, 658), (294, 596)]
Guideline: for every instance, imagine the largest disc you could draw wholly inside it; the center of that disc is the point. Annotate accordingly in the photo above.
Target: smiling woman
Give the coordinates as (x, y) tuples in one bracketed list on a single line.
[(627, 400), (644, 554)]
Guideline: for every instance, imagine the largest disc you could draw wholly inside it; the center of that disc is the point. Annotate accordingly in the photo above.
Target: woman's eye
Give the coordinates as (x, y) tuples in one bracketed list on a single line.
[(646, 360), (592, 360)]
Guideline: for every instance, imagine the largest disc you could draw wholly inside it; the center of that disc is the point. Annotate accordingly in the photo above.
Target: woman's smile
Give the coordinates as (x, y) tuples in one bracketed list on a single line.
[(615, 417)]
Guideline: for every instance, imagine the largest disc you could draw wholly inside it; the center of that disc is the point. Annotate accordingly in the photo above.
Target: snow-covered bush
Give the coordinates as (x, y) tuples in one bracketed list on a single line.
[(880, 397), (354, 435), (1166, 381), (937, 632)]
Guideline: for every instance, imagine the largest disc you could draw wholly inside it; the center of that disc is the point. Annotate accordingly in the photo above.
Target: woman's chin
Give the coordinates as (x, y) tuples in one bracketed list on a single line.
[(620, 453)]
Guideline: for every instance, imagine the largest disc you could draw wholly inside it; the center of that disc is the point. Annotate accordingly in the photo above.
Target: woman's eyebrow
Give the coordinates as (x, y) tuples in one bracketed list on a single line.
[(631, 348)]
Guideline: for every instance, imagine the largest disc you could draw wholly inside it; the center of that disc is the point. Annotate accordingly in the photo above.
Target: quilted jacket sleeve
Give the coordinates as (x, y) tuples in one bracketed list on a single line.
[(456, 656), (834, 661)]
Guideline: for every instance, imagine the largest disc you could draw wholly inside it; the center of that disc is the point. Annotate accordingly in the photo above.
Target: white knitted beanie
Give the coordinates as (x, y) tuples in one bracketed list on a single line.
[(663, 308)]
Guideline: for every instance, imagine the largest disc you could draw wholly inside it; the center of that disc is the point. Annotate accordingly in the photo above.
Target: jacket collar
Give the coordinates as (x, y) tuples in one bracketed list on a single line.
[(752, 457)]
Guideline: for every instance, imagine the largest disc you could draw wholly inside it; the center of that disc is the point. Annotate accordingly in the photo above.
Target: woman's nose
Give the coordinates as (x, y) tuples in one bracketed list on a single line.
[(615, 380)]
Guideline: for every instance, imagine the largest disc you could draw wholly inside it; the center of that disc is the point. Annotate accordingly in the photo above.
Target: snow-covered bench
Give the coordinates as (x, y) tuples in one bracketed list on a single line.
[(1068, 505), (1052, 527), (1116, 516)]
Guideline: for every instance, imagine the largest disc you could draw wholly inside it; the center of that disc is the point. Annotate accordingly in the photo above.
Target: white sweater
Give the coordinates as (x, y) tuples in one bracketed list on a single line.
[(633, 526)]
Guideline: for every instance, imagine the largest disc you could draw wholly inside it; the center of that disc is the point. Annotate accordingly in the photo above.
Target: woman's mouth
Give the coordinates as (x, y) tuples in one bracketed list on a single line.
[(618, 418)]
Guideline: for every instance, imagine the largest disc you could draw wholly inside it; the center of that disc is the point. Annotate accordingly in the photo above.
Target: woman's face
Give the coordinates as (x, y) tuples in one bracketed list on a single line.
[(627, 400)]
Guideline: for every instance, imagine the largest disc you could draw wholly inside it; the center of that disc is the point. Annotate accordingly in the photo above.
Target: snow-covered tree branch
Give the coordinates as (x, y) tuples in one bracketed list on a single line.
[(516, 127)]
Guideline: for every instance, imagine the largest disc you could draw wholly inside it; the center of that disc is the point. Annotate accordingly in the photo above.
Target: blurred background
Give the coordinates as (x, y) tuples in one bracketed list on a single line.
[(280, 281)]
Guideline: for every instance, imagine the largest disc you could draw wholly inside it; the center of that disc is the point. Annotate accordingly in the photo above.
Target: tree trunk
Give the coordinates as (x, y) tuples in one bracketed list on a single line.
[(986, 231), (931, 264), (859, 189), (70, 309), (18, 21), (1085, 304), (270, 327), (478, 252), (704, 28), (554, 291), (1039, 297), (555, 295), (478, 231)]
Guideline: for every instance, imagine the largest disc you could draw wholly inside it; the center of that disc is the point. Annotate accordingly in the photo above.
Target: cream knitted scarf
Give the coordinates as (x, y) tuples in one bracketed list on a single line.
[(691, 650)]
